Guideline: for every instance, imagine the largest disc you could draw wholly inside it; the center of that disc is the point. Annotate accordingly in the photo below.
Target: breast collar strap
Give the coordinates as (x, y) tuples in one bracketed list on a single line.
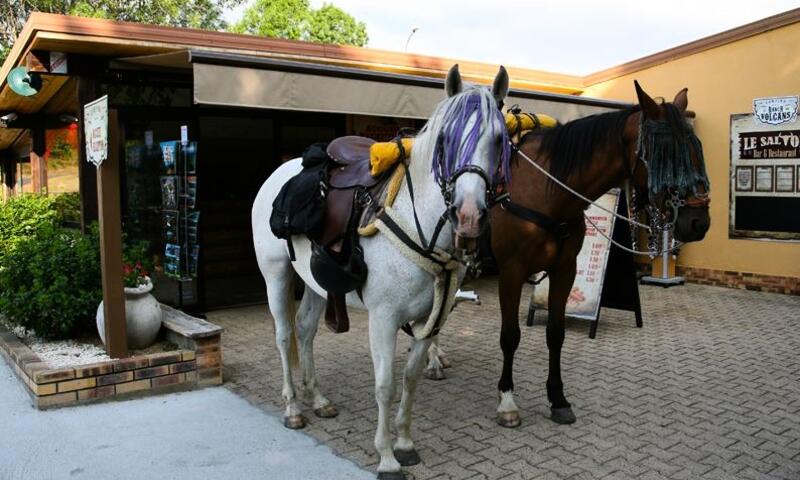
[(558, 230)]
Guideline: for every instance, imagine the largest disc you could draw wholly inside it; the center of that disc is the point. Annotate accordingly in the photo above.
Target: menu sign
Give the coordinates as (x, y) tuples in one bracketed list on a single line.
[(584, 299)]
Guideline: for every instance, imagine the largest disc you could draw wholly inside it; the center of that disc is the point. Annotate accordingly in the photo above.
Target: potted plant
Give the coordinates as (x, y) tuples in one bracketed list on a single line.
[(142, 311)]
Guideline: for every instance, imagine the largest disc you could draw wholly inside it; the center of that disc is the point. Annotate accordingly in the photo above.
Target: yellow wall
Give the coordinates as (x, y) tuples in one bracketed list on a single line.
[(723, 81)]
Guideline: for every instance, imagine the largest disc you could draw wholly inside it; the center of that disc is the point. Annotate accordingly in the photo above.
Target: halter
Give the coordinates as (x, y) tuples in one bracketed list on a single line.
[(657, 142), (658, 219)]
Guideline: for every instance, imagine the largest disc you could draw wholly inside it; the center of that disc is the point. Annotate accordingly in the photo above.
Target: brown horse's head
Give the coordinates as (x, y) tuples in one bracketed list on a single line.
[(674, 176)]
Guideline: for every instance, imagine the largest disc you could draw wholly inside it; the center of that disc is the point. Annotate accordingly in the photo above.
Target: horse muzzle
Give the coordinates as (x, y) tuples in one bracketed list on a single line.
[(469, 222), (692, 223)]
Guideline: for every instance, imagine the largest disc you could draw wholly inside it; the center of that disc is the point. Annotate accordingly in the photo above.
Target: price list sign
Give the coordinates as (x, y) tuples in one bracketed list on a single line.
[(584, 299)]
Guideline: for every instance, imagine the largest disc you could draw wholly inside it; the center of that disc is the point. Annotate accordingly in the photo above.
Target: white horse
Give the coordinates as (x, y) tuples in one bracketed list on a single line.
[(397, 291)]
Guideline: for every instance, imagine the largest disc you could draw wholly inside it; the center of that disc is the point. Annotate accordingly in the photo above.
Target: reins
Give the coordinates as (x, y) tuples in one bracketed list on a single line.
[(595, 204)]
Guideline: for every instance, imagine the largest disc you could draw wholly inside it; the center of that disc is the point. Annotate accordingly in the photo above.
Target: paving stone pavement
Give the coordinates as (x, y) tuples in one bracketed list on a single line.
[(709, 388)]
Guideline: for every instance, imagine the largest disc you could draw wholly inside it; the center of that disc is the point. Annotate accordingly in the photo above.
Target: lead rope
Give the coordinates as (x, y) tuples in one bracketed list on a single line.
[(595, 204), (570, 190)]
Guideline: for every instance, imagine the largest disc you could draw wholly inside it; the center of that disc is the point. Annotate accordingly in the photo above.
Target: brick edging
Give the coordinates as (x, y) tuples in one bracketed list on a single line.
[(197, 363), (742, 280)]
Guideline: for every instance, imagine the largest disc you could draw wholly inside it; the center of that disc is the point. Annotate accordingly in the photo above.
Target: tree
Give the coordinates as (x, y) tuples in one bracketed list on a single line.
[(332, 25), (206, 14), (296, 20)]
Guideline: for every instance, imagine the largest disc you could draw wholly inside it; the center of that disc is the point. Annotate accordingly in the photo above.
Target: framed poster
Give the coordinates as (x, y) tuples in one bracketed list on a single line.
[(764, 179), (584, 299), (764, 170), (744, 179), (784, 178)]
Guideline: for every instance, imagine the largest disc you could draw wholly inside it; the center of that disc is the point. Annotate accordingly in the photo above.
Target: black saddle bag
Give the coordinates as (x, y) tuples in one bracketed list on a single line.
[(299, 208)]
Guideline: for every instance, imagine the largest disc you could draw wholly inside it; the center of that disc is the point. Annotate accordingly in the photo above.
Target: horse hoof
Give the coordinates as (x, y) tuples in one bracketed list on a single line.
[(445, 362), (326, 411), (563, 416), (407, 458), (294, 422), (508, 419), (391, 475), (434, 374)]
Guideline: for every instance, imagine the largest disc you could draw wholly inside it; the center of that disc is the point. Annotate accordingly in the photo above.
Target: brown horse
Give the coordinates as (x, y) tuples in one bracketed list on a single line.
[(541, 227)]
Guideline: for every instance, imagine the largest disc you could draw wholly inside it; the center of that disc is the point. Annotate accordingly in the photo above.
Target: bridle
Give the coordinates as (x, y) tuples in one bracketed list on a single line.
[(661, 219), (447, 184)]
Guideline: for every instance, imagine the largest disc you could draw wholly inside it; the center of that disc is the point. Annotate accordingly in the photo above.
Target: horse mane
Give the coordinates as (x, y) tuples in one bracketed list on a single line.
[(443, 142), (570, 146)]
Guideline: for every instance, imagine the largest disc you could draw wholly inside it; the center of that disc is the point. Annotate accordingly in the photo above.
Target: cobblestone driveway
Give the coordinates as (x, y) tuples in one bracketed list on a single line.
[(709, 388)]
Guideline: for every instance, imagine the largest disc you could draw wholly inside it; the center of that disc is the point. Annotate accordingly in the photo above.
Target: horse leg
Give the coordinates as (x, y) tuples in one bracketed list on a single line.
[(311, 308), (404, 447), (280, 294), (383, 340), (436, 361), (510, 286), (561, 280)]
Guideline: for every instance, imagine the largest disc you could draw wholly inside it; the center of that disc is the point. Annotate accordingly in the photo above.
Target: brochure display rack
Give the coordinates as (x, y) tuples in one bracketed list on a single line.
[(179, 215)]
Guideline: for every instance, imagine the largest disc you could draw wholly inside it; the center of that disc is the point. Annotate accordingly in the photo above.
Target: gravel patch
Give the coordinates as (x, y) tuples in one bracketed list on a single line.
[(73, 352)]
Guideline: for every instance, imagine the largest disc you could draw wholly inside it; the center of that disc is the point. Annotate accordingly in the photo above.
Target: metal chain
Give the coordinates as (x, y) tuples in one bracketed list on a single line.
[(653, 249)]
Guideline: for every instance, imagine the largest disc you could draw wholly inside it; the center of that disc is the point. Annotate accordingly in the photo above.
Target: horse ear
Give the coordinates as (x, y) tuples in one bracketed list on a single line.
[(500, 86), (453, 84), (649, 106), (681, 100)]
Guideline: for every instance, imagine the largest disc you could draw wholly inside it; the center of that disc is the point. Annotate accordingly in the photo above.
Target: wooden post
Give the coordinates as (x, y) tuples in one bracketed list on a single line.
[(9, 176), (108, 196), (38, 164)]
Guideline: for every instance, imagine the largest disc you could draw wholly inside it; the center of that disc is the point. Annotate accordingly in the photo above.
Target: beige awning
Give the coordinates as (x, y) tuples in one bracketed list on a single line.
[(260, 87)]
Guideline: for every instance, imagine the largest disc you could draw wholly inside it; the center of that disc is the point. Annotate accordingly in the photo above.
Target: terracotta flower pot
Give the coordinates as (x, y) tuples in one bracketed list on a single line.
[(142, 316)]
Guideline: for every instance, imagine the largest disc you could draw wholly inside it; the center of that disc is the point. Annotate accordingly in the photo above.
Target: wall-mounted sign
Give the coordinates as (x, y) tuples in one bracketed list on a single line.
[(765, 163), (775, 110), (95, 130)]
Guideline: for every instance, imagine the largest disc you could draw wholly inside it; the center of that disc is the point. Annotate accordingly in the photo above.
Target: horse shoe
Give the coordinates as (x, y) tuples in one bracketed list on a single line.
[(562, 416), (326, 411), (294, 422), (407, 458), (509, 419)]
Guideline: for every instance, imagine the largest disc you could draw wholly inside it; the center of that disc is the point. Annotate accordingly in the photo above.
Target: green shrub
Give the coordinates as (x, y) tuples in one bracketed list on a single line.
[(22, 217), (50, 282), (68, 206)]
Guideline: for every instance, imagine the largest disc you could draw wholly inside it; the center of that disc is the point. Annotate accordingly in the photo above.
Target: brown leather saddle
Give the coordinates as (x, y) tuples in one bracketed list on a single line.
[(352, 194)]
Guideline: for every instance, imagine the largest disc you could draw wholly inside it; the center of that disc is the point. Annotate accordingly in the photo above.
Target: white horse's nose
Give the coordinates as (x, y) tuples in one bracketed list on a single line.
[(469, 218)]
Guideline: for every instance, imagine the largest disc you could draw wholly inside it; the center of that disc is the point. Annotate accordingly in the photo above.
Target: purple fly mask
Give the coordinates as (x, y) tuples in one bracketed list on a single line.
[(455, 146)]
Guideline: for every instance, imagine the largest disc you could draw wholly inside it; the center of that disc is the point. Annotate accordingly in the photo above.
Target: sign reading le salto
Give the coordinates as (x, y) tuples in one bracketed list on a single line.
[(758, 145)]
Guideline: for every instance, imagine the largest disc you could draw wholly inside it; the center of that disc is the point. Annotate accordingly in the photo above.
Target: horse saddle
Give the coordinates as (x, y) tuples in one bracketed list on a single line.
[(348, 178), (352, 190)]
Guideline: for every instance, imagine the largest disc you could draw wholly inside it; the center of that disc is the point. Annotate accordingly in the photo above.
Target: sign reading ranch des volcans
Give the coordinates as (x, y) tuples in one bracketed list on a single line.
[(775, 110), (95, 130)]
